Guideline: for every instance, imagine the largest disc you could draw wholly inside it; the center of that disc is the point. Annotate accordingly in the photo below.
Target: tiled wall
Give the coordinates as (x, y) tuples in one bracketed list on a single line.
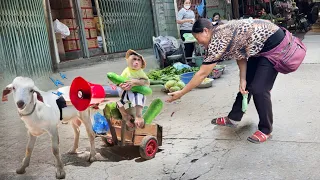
[(166, 18)]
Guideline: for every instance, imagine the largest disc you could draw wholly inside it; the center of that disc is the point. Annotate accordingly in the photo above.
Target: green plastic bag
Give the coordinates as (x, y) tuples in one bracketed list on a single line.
[(244, 102), (189, 37)]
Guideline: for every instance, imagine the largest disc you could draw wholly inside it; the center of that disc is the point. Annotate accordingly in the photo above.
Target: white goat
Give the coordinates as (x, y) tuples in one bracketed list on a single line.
[(40, 113)]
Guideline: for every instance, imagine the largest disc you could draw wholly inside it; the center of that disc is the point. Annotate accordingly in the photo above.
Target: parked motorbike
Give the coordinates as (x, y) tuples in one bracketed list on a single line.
[(301, 22)]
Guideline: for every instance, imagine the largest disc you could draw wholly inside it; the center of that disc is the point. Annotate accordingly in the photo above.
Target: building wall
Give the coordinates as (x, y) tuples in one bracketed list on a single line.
[(165, 18)]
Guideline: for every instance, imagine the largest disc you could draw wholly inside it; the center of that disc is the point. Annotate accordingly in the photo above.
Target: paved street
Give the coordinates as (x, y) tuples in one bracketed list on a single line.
[(193, 148)]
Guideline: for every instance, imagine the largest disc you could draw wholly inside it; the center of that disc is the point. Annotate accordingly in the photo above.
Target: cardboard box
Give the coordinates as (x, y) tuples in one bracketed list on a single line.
[(67, 3), (89, 13), (88, 23), (83, 12), (85, 3), (71, 23), (70, 45), (67, 13), (87, 33), (78, 44), (74, 34), (60, 45), (93, 33), (96, 22), (92, 43)]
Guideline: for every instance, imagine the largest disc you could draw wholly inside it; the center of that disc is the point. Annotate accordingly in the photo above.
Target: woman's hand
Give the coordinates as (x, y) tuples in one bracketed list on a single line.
[(242, 86), (174, 96)]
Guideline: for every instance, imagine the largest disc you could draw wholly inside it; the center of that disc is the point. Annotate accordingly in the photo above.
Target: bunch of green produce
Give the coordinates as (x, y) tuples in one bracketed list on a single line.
[(169, 73), (173, 85)]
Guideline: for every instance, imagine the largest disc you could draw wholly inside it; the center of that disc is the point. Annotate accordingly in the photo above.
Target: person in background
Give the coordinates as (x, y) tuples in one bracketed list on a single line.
[(186, 18), (216, 17)]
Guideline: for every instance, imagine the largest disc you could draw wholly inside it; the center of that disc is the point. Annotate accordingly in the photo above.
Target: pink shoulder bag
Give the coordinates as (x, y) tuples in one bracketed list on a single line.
[(288, 55)]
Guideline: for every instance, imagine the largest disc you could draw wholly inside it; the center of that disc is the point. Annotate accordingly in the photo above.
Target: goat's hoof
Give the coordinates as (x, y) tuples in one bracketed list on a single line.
[(21, 170), (92, 159), (60, 174), (72, 151)]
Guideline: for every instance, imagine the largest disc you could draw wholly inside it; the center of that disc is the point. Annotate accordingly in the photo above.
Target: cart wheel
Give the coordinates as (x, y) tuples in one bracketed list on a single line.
[(148, 147), (107, 141)]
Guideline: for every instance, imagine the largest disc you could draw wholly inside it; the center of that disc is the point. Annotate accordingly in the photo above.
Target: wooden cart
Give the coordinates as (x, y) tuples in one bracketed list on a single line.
[(148, 138)]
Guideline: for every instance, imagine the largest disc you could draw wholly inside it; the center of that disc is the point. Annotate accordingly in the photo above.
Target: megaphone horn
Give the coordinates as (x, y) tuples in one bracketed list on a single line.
[(84, 94)]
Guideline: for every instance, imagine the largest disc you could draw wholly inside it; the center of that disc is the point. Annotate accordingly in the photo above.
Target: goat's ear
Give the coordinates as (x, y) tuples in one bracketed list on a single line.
[(6, 91), (39, 97)]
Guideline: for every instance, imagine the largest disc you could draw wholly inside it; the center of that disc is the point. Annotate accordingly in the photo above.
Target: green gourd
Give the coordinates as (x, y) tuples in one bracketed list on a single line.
[(111, 111), (244, 102), (116, 79), (154, 82), (153, 110)]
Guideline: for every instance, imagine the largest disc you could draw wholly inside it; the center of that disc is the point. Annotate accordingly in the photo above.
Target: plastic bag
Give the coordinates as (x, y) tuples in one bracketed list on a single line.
[(189, 37), (180, 66), (100, 124), (61, 28), (244, 102)]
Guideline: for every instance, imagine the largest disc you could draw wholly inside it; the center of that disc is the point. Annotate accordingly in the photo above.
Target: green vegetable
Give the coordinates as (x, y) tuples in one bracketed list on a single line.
[(119, 79), (169, 84), (157, 88), (115, 78), (156, 82), (244, 102), (169, 73), (174, 89), (111, 110), (153, 110), (180, 84)]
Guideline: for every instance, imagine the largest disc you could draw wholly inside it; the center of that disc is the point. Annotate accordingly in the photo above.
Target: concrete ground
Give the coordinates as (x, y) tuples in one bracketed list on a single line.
[(192, 148)]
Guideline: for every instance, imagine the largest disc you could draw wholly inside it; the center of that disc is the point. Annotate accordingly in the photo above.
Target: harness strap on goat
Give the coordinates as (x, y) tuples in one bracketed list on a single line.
[(61, 102), (34, 107)]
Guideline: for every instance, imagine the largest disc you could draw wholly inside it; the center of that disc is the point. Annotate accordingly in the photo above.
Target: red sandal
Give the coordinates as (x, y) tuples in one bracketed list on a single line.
[(223, 121), (259, 137)]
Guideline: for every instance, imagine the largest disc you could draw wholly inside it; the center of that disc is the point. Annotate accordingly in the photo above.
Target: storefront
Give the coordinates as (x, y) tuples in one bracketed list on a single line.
[(99, 27)]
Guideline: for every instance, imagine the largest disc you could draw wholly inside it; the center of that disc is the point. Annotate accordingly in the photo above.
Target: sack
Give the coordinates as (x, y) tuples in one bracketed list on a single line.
[(61, 28), (288, 55)]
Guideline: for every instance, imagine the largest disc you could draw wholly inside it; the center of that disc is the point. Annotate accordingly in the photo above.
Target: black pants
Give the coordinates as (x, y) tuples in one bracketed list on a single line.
[(189, 47), (260, 79)]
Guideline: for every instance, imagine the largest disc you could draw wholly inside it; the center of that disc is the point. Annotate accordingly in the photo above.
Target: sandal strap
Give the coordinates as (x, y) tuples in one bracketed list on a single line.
[(260, 136), (221, 121)]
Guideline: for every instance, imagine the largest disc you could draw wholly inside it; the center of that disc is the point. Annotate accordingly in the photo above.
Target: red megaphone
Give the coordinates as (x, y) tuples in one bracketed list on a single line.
[(83, 94)]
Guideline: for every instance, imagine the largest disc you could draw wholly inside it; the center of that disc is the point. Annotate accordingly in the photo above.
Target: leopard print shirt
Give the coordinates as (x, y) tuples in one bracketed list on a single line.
[(238, 39)]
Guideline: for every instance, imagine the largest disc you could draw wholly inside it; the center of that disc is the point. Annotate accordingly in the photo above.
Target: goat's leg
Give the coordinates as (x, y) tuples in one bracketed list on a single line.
[(60, 173), (91, 135), (75, 125), (29, 149)]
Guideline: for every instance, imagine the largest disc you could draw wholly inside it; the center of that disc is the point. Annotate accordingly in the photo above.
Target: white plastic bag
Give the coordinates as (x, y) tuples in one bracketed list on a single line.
[(61, 28)]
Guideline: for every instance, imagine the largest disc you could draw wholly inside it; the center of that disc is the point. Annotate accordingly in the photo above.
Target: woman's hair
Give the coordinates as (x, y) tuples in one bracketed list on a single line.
[(202, 23), (214, 14)]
